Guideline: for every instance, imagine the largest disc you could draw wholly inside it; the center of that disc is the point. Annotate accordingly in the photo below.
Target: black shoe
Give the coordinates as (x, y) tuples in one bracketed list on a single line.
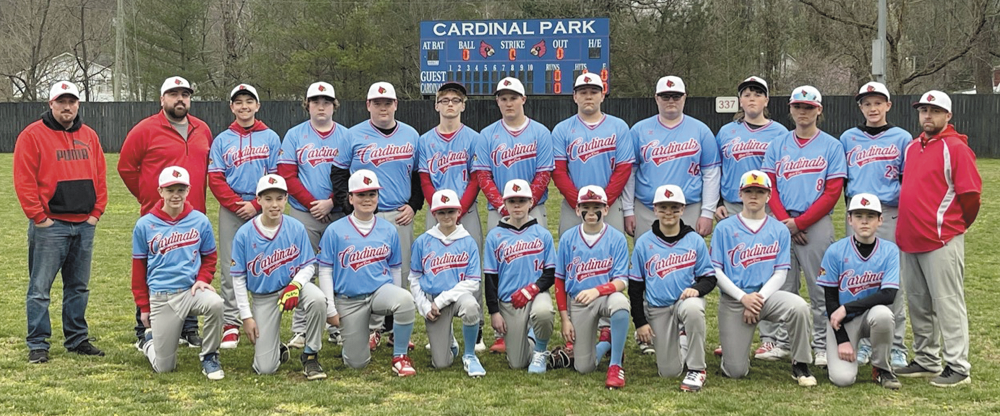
[(86, 348), (914, 370), (801, 374), (886, 378), (38, 356), (283, 354), (950, 378), (191, 339), (311, 367)]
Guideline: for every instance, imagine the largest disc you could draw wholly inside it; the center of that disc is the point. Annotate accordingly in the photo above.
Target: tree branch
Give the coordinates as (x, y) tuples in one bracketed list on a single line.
[(831, 16), (934, 67)]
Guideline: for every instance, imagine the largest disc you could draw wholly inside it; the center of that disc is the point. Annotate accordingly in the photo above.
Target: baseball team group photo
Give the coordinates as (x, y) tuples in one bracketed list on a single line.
[(746, 258)]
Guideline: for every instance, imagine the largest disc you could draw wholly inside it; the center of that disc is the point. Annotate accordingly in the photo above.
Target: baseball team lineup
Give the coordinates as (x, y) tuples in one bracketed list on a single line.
[(319, 222)]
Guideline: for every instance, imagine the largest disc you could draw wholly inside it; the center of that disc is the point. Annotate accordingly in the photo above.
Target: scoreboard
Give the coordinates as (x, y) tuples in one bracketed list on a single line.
[(545, 54)]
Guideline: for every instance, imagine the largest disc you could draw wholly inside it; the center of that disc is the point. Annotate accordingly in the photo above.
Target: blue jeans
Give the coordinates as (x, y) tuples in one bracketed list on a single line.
[(65, 247)]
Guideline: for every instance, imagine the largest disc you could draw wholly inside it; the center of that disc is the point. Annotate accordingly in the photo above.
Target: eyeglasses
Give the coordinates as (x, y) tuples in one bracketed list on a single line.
[(446, 101), (671, 97)]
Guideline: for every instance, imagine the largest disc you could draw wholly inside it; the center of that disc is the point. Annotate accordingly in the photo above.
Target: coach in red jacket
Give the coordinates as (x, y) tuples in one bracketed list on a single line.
[(939, 201), (171, 137), (59, 175)]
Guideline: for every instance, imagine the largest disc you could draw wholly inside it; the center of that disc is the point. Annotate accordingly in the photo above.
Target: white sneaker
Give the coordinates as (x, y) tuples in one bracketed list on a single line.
[(480, 347), (298, 341), (539, 362), (770, 352), (693, 381), (820, 360)]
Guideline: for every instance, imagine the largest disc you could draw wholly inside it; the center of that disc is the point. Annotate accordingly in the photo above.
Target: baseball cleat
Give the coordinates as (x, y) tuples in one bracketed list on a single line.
[(801, 374), (768, 351), (718, 351), (211, 367), (498, 347), (693, 381), (298, 341), (374, 337), (311, 367), (402, 366), (191, 339), (886, 379), (864, 354), (820, 360), (230, 337), (616, 377), (539, 362), (472, 366)]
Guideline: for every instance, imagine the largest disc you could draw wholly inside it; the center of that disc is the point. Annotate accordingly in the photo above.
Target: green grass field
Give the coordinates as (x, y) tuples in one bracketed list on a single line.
[(123, 383)]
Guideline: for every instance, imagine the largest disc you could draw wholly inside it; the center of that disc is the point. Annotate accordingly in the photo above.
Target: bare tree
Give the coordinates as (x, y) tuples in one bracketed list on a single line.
[(29, 45)]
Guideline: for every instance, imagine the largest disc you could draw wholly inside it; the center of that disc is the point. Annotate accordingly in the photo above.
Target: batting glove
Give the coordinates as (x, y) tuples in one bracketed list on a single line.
[(289, 298), (521, 298)]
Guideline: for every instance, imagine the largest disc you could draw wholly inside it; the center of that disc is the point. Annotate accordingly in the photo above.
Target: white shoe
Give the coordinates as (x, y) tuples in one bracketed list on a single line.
[(820, 360), (770, 352), (480, 347), (693, 381), (298, 341)]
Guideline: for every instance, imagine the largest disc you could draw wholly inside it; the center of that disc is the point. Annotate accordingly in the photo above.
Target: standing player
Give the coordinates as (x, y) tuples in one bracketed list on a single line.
[(592, 271), (239, 157), (519, 267), (360, 271), (173, 263), (171, 137), (807, 169), (743, 141), (305, 161), (591, 148), (939, 201), (514, 147), (59, 175), (874, 153), (387, 147), (444, 276), (272, 258), (860, 278), (673, 148), (750, 253), (670, 275), (444, 161)]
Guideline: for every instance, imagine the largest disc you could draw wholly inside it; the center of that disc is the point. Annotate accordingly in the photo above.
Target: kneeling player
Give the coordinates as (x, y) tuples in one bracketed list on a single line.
[(751, 255), (360, 270), (519, 269), (670, 275), (860, 277), (592, 268), (444, 277), (273, 259), (173, 262)]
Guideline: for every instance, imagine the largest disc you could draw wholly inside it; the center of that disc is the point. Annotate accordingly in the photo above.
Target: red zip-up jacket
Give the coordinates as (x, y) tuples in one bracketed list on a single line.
[(60, 173), (153, 145)]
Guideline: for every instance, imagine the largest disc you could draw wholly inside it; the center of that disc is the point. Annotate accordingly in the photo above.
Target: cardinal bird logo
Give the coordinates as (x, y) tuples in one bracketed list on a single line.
[(444, 198), (930, 98), (367, 180), (668, 194), (321, 88), (485, 49), (381, 90), (670, 83), (64, 86), (538, 49), (515, 188), (177, 174), (177, 81), (803, 93), (591, 195), (864, 202), (272, 181), (871, 88), (242, 87), (586, 79), (506, 82)]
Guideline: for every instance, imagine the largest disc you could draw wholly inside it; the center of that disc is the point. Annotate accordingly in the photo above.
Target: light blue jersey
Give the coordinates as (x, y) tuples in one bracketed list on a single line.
[(517, 257), (392, 157), (592, 152), (313, 155), (742, 149), (444, 265), (857, 277), (585, 266), (270, 264), (513, 155), (172, 248), (667, 268), (672, 155), (244, 158), (749, 258), (448, 161), (361, 262), (803, 170), (875, 163)]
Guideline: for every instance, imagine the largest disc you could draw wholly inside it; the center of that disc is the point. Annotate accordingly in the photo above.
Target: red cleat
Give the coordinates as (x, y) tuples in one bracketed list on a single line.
[(403, 367), (498, 347), (616, 377)]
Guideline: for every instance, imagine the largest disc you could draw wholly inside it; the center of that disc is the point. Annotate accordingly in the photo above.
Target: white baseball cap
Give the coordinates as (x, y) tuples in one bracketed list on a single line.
[(174, 175), (62, 88), (755, 179), (510, 84), (588, 80), (363, 180), (381, 90), (935, 98), (320, 89), (592, 193), (517, 188), (669, 193), (806, 94), (753, 81), (174, 83), (445, 199), (271, 181), (670, 83), (872, 88), (867, 202), (244, 88)]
